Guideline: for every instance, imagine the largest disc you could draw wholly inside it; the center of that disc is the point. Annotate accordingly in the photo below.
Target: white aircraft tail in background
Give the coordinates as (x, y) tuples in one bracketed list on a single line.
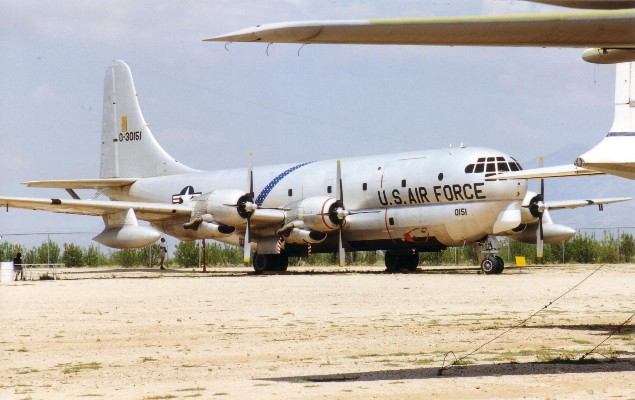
[(615, 154)]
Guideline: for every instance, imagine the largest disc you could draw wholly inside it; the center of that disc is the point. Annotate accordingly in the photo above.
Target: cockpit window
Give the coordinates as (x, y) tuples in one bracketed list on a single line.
[(491, 165)]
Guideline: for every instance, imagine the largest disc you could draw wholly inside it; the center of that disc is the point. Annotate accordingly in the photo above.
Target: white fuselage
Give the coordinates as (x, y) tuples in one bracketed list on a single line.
[(423, 200)]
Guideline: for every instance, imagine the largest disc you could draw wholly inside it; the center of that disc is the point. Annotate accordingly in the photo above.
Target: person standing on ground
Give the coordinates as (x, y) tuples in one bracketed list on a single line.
[(17, 266), (163, 250)]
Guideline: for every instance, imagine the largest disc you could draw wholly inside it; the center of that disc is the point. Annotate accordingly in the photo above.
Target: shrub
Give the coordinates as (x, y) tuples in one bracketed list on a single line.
[(186, 254), (627, 247), (94, 258), (72, 256)]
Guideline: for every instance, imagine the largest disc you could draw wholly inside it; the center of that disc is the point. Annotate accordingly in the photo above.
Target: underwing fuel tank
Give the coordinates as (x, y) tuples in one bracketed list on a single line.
[(122, 231), (127, 237)]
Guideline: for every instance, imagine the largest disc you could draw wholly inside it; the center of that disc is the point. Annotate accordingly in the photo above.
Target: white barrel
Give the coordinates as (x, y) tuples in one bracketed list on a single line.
[(6, 271)]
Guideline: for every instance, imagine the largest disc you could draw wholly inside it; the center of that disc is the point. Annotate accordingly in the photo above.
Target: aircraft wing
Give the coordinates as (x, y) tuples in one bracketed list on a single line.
[(561, 204), (560, 171), (83, 183), (144, 211), (614, 29)]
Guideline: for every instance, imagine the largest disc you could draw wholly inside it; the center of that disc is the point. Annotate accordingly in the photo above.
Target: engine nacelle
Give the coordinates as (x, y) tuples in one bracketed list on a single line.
[(302, 236), (317, 213), (608, 56), (225, 206), (202, 230), (127, 237), (552, 233)]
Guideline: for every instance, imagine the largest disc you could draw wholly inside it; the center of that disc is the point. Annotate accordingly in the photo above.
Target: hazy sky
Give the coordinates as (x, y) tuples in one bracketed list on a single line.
[(209, 105)]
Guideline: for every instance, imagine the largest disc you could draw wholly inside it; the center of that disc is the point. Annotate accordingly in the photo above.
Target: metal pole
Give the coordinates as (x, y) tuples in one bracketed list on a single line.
[(563, 242), (619, 240), (509, 251), (204, 258)]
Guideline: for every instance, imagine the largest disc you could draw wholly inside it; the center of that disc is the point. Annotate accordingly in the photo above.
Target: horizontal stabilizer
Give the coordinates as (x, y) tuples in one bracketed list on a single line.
[(144, 211), (82, 183), (560, 171)]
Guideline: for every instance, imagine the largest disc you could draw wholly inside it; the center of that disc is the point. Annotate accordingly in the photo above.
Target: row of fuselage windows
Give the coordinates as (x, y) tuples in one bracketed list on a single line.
[(483, 165), (492, 165)]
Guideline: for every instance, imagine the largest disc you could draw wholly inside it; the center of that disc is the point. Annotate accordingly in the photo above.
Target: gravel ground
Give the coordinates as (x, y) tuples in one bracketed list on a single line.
[(319, 333)]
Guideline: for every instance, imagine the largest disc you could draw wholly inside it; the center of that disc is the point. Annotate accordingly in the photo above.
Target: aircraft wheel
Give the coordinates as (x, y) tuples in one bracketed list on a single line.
[(500, 265), (392, 262), (262, 263), (282, 262), (489, 265), (410, 262)]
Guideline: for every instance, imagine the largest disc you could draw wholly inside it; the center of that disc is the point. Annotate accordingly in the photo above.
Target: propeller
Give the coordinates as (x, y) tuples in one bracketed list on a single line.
[(537, 209), (339, 214), (247, 206)]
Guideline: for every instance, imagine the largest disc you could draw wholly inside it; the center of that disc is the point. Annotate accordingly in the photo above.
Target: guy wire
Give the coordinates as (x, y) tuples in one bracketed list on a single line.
[(457, 361)]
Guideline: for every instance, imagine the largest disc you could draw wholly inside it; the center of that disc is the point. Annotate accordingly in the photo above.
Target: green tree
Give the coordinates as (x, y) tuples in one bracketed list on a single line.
[(73, 256), (47, 252), (581, 249), (627, 247), (186, 254), (6, 251), (92, 257), (125, 257)]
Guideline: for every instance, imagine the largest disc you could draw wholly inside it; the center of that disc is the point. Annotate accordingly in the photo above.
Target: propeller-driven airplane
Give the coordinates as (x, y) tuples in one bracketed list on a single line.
[(608, 34), (401, 203)]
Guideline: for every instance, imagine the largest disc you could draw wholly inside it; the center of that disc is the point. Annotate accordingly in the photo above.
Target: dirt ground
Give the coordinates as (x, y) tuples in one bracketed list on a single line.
[(319, 333)]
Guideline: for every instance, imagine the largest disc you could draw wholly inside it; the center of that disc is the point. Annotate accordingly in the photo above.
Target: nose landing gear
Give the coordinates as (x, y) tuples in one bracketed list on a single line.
[(487, 252)]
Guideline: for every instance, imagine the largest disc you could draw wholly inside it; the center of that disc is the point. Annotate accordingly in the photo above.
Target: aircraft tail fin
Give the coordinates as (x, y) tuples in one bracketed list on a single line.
[(128, 148), (614, 154), (624, 120)]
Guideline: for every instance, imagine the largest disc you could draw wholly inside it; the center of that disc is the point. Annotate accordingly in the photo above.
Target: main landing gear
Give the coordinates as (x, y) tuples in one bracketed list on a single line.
[(396, 261), (487, 252), (270, 262)]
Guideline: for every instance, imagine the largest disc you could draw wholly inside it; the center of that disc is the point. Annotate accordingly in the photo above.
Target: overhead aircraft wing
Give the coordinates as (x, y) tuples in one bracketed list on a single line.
[(144, 211), (82, 183), (613, 29), (561, 204), (559, 171)]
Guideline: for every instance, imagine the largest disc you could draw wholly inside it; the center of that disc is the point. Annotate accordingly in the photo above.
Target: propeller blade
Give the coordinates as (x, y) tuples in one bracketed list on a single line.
[(250, 183), (247, 247), (250, 174), (539, 238), (342, 253), (542, 188), (340, 197), (340, 192)]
